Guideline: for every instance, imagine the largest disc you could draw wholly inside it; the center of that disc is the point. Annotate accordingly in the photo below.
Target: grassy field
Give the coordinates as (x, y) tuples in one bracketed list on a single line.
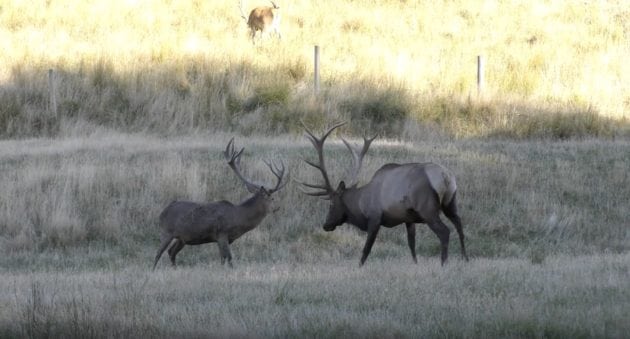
[(546, 224), (149, 92), (553, 69), (583, 296)]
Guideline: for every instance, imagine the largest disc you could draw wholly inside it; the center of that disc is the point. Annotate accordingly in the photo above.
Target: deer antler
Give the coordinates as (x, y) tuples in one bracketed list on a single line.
[(240, 7), (278, 171), (318, 143), (234, 161), (357, 158)]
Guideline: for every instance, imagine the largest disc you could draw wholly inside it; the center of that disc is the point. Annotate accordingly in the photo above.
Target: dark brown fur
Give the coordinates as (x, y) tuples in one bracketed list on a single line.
[(191, 223)]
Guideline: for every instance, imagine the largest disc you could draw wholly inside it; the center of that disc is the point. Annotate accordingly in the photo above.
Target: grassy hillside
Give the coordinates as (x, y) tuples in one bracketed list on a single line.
[(553, 69)]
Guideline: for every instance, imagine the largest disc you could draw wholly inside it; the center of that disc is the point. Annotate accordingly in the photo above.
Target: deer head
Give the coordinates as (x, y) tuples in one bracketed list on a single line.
[(234, 161)]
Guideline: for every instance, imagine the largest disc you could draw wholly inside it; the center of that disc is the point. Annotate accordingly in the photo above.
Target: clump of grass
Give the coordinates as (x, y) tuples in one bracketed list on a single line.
[(267, 96), (460, 118), (520, 121), (297, 70), (379, 109), (10, 111), (559, 125)]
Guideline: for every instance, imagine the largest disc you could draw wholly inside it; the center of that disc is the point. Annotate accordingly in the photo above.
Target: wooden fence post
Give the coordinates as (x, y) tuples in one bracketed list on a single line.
[(52, 93), (316, 70), (480, 73)]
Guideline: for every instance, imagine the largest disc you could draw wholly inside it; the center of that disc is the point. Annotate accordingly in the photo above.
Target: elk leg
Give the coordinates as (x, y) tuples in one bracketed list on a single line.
[(411, 239), (451, 213), (172, 252), (440, 229), (460, 231), (163, 245), (224, 249), (372, 232)]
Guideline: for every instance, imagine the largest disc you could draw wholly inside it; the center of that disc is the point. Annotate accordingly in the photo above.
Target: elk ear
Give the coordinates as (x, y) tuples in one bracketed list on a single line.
[(341, 187), (264, 191)]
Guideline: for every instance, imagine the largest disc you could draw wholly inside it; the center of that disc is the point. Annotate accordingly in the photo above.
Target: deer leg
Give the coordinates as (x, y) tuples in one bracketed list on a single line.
[(163, 245), (440, 229), (372, 232), (451, 213), (411, 239), (172, 252), (224, 248)]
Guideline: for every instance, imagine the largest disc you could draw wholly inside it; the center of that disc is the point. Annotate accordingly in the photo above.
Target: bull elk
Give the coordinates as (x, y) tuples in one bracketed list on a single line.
[(398, 193), (191, 223), (263, 19)]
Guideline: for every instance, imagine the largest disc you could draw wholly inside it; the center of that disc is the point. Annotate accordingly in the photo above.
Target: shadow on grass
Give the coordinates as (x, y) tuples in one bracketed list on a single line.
[(204, 95)]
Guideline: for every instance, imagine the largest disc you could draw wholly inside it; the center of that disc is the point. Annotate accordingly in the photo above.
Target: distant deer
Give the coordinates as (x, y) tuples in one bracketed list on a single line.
[(398, 193), (263, 19), (190, 223)]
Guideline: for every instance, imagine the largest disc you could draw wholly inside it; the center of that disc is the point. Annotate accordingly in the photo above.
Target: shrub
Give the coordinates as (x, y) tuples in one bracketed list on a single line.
[(272, 95), (559, 125), (380, 109)]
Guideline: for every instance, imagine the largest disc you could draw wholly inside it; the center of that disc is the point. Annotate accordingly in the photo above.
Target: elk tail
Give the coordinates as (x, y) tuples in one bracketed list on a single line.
[(164, 244), (449, 207)]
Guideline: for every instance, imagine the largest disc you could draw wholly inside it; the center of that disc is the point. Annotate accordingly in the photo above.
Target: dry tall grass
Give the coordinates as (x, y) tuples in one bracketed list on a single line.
[(516, 199), (546, 221), (172, 67)]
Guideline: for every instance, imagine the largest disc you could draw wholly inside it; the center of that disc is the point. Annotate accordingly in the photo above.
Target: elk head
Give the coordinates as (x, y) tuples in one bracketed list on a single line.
[(337, 210)]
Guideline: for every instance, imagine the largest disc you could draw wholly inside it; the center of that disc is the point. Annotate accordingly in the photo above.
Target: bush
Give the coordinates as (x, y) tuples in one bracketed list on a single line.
[(272, 95), (560, 125), (378, 109)]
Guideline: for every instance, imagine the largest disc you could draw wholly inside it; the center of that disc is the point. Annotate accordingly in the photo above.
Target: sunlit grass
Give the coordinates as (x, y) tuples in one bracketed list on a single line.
[(191, 63)]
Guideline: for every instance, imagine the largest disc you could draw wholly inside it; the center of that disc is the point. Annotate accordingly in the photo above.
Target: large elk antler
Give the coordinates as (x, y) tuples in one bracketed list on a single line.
[(318, 143), (278, 171), (357, 158)]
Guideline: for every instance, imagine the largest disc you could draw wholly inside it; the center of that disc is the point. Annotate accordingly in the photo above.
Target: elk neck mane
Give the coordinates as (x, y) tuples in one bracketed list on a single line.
[(252, 201)]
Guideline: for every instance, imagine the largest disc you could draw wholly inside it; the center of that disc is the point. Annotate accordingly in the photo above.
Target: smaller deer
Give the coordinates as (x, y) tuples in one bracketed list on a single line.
[(191, 223), (263, 19)]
